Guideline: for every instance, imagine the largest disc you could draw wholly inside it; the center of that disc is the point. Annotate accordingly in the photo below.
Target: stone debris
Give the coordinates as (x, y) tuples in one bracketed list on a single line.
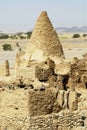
[(47, 122)]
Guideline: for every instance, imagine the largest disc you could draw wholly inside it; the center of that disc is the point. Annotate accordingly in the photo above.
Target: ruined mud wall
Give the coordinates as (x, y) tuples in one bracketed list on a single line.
[(4, 69), (79, 72), (26, 72), (49, 101)]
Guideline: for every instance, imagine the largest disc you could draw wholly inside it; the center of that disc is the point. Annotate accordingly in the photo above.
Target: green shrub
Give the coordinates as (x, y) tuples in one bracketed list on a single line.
[(22, 37), (7, 47), (76, 35), (13, 37), (20, 49), (4, 36), (84, 35)]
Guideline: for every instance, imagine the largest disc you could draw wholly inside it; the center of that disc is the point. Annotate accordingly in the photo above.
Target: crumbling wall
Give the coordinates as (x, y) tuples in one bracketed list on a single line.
[(44, 70), (17, 60), (42, 102), (51, 101), (79, 72), (25, 72), (4, 69)]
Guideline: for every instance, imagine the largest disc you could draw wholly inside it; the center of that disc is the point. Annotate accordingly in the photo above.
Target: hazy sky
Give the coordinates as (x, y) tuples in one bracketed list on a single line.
[(20, 15)]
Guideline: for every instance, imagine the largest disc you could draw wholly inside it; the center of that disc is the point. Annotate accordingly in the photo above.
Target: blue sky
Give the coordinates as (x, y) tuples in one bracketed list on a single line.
[(20, 15)]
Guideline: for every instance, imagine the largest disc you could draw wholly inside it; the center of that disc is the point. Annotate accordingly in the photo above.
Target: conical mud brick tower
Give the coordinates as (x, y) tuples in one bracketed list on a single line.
[(44, 41)]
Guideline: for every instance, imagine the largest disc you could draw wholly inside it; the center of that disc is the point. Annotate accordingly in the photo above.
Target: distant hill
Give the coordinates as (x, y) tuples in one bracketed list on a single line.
[(73, 29)]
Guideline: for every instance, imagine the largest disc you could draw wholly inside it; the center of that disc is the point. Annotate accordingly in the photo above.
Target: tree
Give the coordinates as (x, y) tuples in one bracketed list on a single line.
[(28, 35), (76, 35), (4, 36)]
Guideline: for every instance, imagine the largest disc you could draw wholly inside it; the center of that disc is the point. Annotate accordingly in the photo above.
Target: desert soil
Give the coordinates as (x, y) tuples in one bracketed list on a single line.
[(72, 48)]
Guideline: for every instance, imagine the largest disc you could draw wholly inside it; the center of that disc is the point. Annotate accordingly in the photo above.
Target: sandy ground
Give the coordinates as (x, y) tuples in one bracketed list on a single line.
[(72, 48), (14, 103)]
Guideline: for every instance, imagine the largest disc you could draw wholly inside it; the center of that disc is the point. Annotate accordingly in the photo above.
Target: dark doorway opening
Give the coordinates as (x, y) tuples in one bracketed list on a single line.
[(86, 85), (65, 82)]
